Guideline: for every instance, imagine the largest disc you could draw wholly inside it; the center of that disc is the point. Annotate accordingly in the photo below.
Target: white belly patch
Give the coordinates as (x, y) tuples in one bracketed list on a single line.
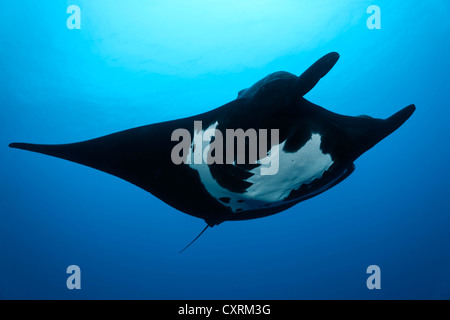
[(294, 170)]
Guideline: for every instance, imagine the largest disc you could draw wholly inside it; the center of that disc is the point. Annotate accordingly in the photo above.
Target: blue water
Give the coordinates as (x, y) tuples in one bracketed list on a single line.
[(142, 62)]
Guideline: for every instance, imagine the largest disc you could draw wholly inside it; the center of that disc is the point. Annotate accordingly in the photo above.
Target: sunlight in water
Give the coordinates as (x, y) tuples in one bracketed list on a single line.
[(214, 36)]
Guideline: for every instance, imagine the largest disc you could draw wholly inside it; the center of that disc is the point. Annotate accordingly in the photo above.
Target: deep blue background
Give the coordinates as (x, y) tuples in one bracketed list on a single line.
[(143, 62)]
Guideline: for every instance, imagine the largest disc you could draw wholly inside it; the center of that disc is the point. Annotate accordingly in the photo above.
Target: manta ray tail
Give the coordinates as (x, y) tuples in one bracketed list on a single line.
[(194, 239)]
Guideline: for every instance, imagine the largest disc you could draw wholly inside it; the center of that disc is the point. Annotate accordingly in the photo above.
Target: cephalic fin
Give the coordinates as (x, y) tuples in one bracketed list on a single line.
[(308, 80)]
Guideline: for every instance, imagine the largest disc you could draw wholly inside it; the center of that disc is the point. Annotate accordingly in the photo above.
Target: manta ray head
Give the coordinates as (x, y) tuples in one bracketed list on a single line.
[(280, 98)]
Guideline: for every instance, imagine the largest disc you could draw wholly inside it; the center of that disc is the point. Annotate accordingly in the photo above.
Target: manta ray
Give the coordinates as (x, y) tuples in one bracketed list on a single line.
[(316, 150)]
